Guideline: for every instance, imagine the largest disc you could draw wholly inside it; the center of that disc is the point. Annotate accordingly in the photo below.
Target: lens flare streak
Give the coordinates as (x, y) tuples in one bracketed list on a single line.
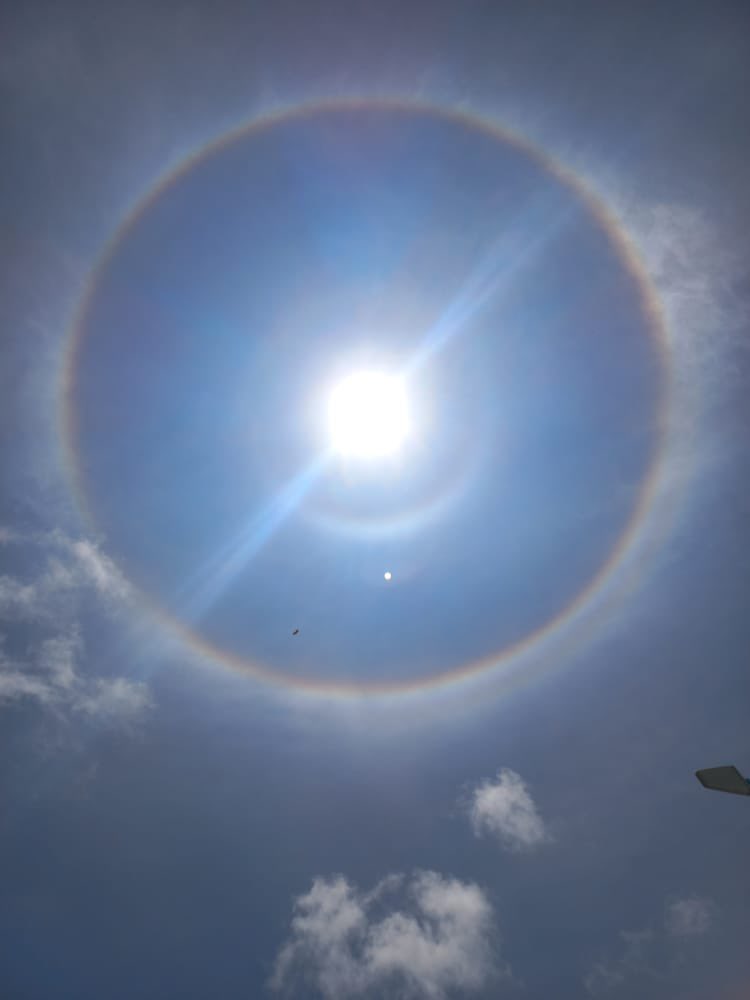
[(212, 580)]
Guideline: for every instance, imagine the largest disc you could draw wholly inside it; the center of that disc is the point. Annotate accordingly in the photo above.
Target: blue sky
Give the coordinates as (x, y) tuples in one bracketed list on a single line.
[(541, 216)]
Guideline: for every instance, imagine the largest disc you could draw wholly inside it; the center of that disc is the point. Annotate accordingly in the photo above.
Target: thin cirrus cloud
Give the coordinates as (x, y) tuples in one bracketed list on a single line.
[(610, 975), (51, 675), (426, 936), (654, 955), (68, 575), (689, 917), (68, 570), (505, 810)]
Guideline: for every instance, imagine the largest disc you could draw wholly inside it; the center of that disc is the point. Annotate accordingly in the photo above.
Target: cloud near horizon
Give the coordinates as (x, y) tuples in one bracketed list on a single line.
[(436, 939)]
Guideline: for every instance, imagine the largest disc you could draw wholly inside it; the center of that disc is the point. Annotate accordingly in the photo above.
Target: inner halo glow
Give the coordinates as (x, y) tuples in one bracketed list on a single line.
[(368, 415)]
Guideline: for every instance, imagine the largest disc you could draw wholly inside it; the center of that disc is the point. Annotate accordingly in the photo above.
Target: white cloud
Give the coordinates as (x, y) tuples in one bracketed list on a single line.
[(697, 275), (689, 917), (15, 684), (114, 698), (96, 569), (440, 939), (17, 599), (66, 570), (58, 657), (24, 680), (68, 573), (505, 809), (50, 675)]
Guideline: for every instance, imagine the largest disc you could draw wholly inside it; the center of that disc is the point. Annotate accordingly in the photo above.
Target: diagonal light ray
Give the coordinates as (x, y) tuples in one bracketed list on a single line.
[(206, 585), (493, 275)]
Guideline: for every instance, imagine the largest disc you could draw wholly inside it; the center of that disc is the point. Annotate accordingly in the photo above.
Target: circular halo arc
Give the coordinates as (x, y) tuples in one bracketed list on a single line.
[(581, 605)]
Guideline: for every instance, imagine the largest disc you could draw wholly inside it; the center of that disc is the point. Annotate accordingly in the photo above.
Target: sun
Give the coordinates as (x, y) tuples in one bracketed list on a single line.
[(368, 415)]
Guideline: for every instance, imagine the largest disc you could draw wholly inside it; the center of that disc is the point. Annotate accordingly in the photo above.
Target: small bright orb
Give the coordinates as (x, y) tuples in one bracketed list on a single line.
[(368, 416), (387, 575)]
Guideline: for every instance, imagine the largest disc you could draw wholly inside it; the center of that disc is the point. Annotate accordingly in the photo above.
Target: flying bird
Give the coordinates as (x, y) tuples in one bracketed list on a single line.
[(295, 631)]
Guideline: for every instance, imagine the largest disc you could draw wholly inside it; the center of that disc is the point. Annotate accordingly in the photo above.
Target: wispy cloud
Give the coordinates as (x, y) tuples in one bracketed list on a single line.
[(16, 683), (51, 674), (94, 568), (65, 570), (690, 917), (437, 937), (58, 658), (654, 952), (114, 699), (504, 809), (697, 276), (17, 599), (50, 669), (633, 960)]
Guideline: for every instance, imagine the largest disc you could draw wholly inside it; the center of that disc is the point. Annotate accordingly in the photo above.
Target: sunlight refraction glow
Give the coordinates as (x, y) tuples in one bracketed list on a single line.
[(368, 415)]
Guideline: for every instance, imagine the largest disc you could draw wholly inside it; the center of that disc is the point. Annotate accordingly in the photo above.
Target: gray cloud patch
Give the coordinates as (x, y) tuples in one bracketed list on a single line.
[(689, 917), (609, 975), (653, 953)]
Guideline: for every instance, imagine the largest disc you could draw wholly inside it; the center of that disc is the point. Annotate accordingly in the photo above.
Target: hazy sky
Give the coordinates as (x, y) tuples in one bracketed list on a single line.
[(474, 778)]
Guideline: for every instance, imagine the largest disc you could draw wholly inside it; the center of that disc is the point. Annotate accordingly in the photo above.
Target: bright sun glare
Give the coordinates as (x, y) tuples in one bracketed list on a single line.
[(368, 415)]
